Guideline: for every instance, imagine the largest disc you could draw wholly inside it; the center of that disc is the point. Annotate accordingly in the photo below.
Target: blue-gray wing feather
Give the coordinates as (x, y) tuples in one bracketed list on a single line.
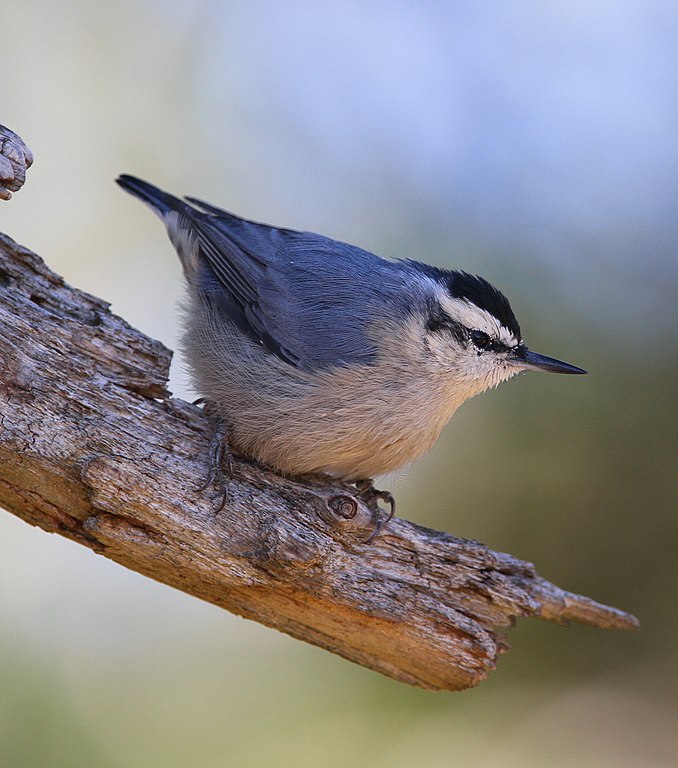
[(306, 298)]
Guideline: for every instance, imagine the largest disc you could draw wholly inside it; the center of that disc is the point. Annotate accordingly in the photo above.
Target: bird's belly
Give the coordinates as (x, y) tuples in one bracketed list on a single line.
[(371, 456), (351, 440), (348, 422)]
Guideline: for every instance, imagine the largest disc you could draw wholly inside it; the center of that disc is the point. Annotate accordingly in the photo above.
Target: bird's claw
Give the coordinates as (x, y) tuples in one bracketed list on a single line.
[(371, 496), (219, 455)]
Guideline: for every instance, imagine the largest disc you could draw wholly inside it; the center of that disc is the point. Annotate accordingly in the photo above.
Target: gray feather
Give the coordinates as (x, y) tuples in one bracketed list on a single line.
[(306, 298)]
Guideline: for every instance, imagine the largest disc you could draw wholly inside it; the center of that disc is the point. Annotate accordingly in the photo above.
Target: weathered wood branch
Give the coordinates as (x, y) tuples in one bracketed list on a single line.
[(15, 159), (93, 448)]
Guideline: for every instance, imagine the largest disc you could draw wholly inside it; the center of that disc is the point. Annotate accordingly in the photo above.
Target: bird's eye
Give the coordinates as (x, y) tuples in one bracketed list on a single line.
[(480, 339)]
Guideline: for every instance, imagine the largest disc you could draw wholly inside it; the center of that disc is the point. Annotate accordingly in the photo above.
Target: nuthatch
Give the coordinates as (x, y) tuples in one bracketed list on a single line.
[(318, 357)]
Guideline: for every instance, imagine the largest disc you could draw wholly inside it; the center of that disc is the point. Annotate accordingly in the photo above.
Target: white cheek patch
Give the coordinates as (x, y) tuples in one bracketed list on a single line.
[(471, 316)]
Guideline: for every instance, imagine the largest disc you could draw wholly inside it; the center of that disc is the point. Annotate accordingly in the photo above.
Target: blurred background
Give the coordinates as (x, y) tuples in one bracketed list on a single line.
[(533, 143)]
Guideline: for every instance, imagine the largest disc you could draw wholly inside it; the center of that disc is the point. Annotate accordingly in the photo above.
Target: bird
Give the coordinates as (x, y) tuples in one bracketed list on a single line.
[(316, 357)]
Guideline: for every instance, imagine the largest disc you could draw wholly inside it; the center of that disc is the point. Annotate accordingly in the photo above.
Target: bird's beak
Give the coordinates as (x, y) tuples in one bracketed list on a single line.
[(525, 358)]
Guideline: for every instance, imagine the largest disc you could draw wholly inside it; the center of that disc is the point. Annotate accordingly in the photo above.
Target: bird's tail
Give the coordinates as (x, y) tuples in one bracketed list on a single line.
[(160, 202), (178, 216)]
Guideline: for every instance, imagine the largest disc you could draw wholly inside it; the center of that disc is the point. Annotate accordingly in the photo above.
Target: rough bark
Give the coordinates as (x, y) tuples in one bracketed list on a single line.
[(15, 159), (93, 447)]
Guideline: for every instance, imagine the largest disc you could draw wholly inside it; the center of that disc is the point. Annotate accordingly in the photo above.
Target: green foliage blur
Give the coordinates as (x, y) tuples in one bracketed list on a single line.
[(530, 144)]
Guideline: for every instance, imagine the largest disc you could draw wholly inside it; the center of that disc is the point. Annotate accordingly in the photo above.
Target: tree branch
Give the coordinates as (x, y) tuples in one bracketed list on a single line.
[(15, 159), (93, 448)]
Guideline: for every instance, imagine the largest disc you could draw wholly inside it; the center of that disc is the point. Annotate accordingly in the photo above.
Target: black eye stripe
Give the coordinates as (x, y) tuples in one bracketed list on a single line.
[(435, 324), (483, 342), (439, 322)]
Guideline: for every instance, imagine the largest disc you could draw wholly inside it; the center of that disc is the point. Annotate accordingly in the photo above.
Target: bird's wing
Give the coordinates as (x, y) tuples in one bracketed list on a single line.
[(305, 298)]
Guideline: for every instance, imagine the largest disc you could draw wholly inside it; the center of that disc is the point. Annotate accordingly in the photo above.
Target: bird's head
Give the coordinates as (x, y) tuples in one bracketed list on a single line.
[(472, 336)]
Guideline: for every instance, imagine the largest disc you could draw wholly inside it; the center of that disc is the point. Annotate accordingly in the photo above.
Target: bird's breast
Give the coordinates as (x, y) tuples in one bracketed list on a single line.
[(346, 423)]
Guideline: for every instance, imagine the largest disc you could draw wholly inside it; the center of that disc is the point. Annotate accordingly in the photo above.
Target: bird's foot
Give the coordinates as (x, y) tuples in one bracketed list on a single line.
[(220, 456), (372, 496)]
